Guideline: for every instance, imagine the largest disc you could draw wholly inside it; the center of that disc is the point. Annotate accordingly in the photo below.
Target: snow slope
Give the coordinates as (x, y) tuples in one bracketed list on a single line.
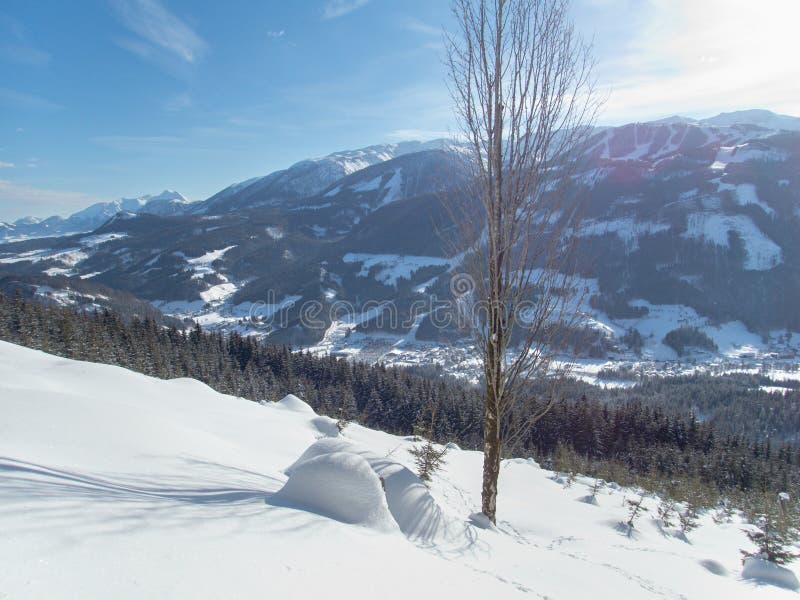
[(116, 485)]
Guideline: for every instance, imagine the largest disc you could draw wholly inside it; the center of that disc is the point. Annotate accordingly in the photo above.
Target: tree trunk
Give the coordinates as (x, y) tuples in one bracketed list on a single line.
[(491, 457)]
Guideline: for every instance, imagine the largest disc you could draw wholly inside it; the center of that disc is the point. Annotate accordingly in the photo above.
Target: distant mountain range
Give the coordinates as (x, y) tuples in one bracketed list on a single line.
[(688, 223), (166, 203)]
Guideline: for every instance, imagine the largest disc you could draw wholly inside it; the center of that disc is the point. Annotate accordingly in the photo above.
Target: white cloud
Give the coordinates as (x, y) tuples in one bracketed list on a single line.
[(162, 36), (418, 26), (695, 58), (20, 200), (276, 34), (338, 8), (6, 165)]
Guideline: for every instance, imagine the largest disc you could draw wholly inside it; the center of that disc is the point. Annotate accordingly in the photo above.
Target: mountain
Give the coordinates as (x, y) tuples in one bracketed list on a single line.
[(167, 202), (763, 118), (120, 485), (687, 224), (307, 177), (758, 117)]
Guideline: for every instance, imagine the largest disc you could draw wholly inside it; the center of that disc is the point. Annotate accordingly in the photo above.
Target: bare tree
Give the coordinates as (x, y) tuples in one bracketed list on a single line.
[(520, 78)]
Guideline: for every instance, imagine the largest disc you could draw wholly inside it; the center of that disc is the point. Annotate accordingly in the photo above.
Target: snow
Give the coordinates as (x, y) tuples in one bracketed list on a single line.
[(393, 266), (178, 307), (68, 257), (102, 238), (202, 266), (276, 233), (218, 293), (628, 230), (767, 572), (745, 194), (332, 192), (339, 485), (393, 188), (206, 260), (762, 253), (368, 186), (744, 152), (56, 271), (295, 404), (119, 485)]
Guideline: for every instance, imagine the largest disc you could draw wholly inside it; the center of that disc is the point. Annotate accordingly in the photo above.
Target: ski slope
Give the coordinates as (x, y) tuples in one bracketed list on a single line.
[(117, 485)]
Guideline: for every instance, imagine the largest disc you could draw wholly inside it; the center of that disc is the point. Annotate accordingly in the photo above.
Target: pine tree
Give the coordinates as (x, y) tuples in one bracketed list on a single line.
[(776, 533)]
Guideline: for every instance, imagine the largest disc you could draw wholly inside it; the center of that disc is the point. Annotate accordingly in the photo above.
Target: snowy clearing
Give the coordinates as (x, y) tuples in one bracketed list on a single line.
[(762, 253), (393, 266)]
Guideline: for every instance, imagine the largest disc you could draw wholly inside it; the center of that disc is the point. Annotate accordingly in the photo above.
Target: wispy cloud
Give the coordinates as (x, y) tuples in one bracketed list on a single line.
[(16, 47), (418, 26), (421, 135), (161, 36), (6, 165), (17, 200), (276, 34), (339, 8), (21, 100), (179, 102), (138, 144)]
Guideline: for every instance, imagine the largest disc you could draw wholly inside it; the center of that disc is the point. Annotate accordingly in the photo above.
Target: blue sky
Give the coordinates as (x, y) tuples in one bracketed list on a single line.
[(101, 99)]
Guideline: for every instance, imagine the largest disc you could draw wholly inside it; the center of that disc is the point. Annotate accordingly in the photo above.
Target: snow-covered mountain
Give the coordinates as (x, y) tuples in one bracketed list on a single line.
[(686, 223), (166, 203), (307, 177), (119, 485)]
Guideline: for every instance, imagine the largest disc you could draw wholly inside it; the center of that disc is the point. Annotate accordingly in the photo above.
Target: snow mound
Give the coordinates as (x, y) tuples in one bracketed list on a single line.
[(339, 485), (715, 567), (767, 572), (410, 503), (420, 517), (327, 445), (293, 403)]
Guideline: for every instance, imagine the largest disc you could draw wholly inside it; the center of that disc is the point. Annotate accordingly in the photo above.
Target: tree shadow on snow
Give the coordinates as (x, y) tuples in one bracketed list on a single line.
[(78, 500)]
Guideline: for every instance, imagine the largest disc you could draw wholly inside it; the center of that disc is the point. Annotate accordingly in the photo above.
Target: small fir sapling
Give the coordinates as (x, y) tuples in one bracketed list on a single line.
[(666, 511), (427, 457), (635, 508), (346, 412), (724, 513), (341, 421), (595, 488), (688, 518)]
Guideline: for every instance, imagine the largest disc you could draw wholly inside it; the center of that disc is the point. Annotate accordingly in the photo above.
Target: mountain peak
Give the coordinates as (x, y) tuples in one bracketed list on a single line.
[(756, 116)]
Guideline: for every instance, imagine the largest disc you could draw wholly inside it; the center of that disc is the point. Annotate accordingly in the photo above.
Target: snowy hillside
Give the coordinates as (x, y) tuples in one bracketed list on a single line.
[(113, 484)]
